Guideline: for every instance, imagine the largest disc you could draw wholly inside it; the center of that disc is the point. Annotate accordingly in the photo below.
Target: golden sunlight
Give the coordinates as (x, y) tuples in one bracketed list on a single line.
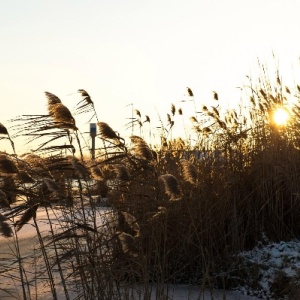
[(281, 116)]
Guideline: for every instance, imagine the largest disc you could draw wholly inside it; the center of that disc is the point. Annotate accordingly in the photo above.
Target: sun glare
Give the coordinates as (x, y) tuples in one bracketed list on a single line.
[(281, 116)]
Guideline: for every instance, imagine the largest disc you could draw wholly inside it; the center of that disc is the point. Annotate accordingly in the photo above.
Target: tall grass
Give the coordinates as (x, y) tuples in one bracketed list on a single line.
[(177, 211)]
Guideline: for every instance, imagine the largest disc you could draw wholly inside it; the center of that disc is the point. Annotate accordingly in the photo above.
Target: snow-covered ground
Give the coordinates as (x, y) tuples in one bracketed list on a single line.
[(270, 264)]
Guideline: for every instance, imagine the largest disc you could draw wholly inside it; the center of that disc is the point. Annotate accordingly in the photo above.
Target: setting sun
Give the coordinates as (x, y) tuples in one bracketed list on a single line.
[(281, 116)]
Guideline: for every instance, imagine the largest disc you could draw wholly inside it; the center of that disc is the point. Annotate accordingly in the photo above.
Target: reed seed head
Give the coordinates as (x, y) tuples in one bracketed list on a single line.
[(7, 166), (131, 221), (147, 119), (97, 173), (162, 211), (189, 171), (106, 131), (173, 109), (51, 185), (3, 129), (171, 185), (141, 148), (27, 216), (80, 168), (62, 115), (24, 177), (122, 173), (5, 229), (86, 96), (3, 200), (193, 119), (216, 97), (52, 99), (138, 113), (189, 92), (128, 243)]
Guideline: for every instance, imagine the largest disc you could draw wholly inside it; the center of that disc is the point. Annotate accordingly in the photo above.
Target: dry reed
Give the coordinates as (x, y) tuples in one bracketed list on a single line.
[(132, 222), (122, 173), (141, 148), (26, 217), (128, 244), (7, 166), (171, 186), (3, 129), (106, 131), (3, 200), (189, 92), (189, 171), (5, 229), (51, 185)]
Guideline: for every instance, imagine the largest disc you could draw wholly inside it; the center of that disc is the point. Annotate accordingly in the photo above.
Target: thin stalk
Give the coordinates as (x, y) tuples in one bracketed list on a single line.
[(48, 267)]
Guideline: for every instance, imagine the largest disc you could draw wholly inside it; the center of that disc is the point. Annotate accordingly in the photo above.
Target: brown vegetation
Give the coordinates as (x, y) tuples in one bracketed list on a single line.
[(177, 212)]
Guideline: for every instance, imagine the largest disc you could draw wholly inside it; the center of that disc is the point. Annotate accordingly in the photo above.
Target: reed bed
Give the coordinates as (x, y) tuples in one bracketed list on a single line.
[(176, 211)]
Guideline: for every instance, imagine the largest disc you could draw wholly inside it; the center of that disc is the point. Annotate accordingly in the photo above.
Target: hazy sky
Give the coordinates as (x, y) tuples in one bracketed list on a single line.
[(136, 51)]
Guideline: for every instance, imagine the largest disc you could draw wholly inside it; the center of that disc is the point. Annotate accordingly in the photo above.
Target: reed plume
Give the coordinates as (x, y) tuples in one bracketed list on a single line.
[(189, 92), (52, 99), (138, 113), (97, 173), (3, 200), (80, 168), (128, 243), (3, 129), (193, 119), (51, 185), (27, 216), (132, 223), (5, 229), (216, 97), (62, 116), (189, 171), (60, 113), (106, 131), (216, 112), (162, 211), (173, 109), (141, 148), (122, 172), (24, 177), (86, 104), (7, 166), (206, 130), (171, 186), (85, 95)]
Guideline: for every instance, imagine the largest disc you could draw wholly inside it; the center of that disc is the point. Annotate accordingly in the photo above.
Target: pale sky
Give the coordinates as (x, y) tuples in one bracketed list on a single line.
[(140, 52)]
